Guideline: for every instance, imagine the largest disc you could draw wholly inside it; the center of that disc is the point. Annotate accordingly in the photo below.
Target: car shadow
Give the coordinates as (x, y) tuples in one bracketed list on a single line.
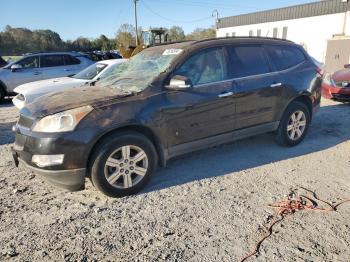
[(6, 134), (329, 128)]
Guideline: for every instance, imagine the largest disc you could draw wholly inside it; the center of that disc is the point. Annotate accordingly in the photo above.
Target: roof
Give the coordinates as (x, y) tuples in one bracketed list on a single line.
[(241, 39), (174, 45), (218, 40), (292, 12)]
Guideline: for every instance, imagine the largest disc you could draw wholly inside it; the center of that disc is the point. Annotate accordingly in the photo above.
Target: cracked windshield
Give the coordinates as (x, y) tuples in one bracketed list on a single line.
[(134, 75)]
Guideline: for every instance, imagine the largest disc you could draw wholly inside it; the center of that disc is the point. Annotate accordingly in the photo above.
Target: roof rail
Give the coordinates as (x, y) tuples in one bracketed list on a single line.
[(244, 37)]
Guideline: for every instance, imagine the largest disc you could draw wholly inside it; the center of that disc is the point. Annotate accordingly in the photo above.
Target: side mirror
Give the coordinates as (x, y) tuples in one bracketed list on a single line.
[(347, 66), (16, 67), (179, 83)]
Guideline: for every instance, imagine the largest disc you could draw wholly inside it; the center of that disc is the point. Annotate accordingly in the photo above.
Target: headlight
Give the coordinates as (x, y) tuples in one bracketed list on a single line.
[(21, 97), (63, 121), (328, 80)]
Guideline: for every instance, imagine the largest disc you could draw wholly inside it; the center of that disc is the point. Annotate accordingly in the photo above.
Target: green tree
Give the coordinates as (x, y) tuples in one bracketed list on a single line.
[(176, 33), (201, 33), (126, 35)]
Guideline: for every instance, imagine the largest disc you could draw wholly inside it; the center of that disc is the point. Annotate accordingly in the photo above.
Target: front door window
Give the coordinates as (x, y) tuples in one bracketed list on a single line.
[(205, 67), (29, 62)]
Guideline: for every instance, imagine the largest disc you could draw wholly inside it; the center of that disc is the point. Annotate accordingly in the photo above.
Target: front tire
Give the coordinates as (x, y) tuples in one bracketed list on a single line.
[(123, 163), (2, 94), (294, 124)]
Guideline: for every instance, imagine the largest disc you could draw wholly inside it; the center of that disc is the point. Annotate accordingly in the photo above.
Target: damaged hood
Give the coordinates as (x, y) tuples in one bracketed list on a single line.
[(71, 98)]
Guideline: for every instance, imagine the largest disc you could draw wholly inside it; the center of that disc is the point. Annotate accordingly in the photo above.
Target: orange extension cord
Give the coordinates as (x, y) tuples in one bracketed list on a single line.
[(289, 206)]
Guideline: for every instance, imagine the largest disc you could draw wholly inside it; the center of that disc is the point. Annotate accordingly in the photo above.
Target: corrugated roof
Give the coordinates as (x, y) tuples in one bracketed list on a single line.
[(292, 12)]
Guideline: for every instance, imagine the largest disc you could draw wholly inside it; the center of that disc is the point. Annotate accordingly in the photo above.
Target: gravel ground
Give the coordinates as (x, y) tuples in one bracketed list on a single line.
[(206, 206)]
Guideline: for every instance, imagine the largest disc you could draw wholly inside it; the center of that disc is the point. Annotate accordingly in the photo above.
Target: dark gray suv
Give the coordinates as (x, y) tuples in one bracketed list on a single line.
[(166, 101), (40, 66)]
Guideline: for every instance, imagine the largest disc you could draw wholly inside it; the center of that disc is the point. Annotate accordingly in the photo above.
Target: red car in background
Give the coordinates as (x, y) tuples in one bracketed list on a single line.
[(336, 86)]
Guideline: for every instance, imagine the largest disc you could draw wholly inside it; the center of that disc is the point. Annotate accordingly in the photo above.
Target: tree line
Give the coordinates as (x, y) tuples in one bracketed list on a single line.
[(18, 41)]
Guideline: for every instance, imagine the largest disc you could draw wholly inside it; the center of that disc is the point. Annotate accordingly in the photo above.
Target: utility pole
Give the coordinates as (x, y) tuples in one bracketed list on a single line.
[(215, 14), (135, 13)]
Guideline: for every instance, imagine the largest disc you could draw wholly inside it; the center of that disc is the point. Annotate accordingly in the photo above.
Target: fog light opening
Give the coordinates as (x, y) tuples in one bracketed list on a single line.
[(47, 160)]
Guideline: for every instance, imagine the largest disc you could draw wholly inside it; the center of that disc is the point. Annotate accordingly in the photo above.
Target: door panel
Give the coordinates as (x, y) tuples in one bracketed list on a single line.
[(206, 109), (198, 113), (257, 99), (257, 89), (52, 66), (29, 72)]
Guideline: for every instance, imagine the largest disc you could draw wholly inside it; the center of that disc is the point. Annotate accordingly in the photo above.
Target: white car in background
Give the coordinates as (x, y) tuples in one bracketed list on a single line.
[(27, 93)]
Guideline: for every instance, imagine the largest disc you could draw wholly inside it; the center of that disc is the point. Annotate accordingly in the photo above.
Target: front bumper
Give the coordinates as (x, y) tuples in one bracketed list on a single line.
[(336, 93), (74, 146), (72, 180)]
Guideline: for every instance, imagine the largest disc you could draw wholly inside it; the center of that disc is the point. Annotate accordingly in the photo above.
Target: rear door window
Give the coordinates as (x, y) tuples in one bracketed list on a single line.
[(247, 61), (285, 57), (70, 60), (206, 67), (51, 60)]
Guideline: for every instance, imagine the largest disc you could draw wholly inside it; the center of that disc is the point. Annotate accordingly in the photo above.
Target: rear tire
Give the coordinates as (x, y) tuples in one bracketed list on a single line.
[(294, 124), (122, 164)]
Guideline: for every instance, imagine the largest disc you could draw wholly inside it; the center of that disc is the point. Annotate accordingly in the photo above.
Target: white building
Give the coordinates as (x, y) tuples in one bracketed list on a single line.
[(310, 25)]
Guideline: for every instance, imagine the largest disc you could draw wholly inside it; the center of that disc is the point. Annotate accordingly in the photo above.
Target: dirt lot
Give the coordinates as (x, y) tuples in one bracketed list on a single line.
[(206, 206)]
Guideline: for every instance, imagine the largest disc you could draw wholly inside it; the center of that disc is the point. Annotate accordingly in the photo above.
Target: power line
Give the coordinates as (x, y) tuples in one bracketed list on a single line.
[(171, 20), (207, 4)]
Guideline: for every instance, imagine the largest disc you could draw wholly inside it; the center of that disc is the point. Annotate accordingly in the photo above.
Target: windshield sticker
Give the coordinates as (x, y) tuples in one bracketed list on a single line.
[(172, 51)]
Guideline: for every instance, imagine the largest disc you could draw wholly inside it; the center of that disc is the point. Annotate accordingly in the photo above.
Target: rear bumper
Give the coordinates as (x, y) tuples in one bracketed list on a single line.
[(72, 179)]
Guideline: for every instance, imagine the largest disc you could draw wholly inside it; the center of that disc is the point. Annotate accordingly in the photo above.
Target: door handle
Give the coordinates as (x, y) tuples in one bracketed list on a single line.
[(226, 94), (276, 85), (37, 73), (67, 70)]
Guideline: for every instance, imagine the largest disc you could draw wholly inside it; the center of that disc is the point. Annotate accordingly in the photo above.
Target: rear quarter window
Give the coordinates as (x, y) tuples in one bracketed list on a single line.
[(247, 61), (284, 57), (71, 60)]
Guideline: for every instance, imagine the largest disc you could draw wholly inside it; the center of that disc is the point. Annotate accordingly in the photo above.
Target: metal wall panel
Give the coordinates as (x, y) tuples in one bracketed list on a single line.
[(293, 12)]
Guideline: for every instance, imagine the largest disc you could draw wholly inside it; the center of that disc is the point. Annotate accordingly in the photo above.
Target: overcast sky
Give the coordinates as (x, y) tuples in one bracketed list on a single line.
[(91, 18)]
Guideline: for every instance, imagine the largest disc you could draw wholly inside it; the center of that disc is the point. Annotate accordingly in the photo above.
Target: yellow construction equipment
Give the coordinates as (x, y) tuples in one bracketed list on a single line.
[(151, 37)]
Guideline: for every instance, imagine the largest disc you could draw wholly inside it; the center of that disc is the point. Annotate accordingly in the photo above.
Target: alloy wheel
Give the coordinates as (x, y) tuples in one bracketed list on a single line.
[(126, 166), (296, 125)]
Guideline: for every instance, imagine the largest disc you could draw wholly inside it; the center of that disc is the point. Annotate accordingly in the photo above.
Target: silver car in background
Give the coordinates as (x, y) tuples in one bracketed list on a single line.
[(40, 66), (28, 92)]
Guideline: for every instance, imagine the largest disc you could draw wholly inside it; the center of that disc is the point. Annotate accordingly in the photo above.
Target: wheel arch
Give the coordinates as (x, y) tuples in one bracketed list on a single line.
[(3, 87), (303, 98), (137, 128)]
